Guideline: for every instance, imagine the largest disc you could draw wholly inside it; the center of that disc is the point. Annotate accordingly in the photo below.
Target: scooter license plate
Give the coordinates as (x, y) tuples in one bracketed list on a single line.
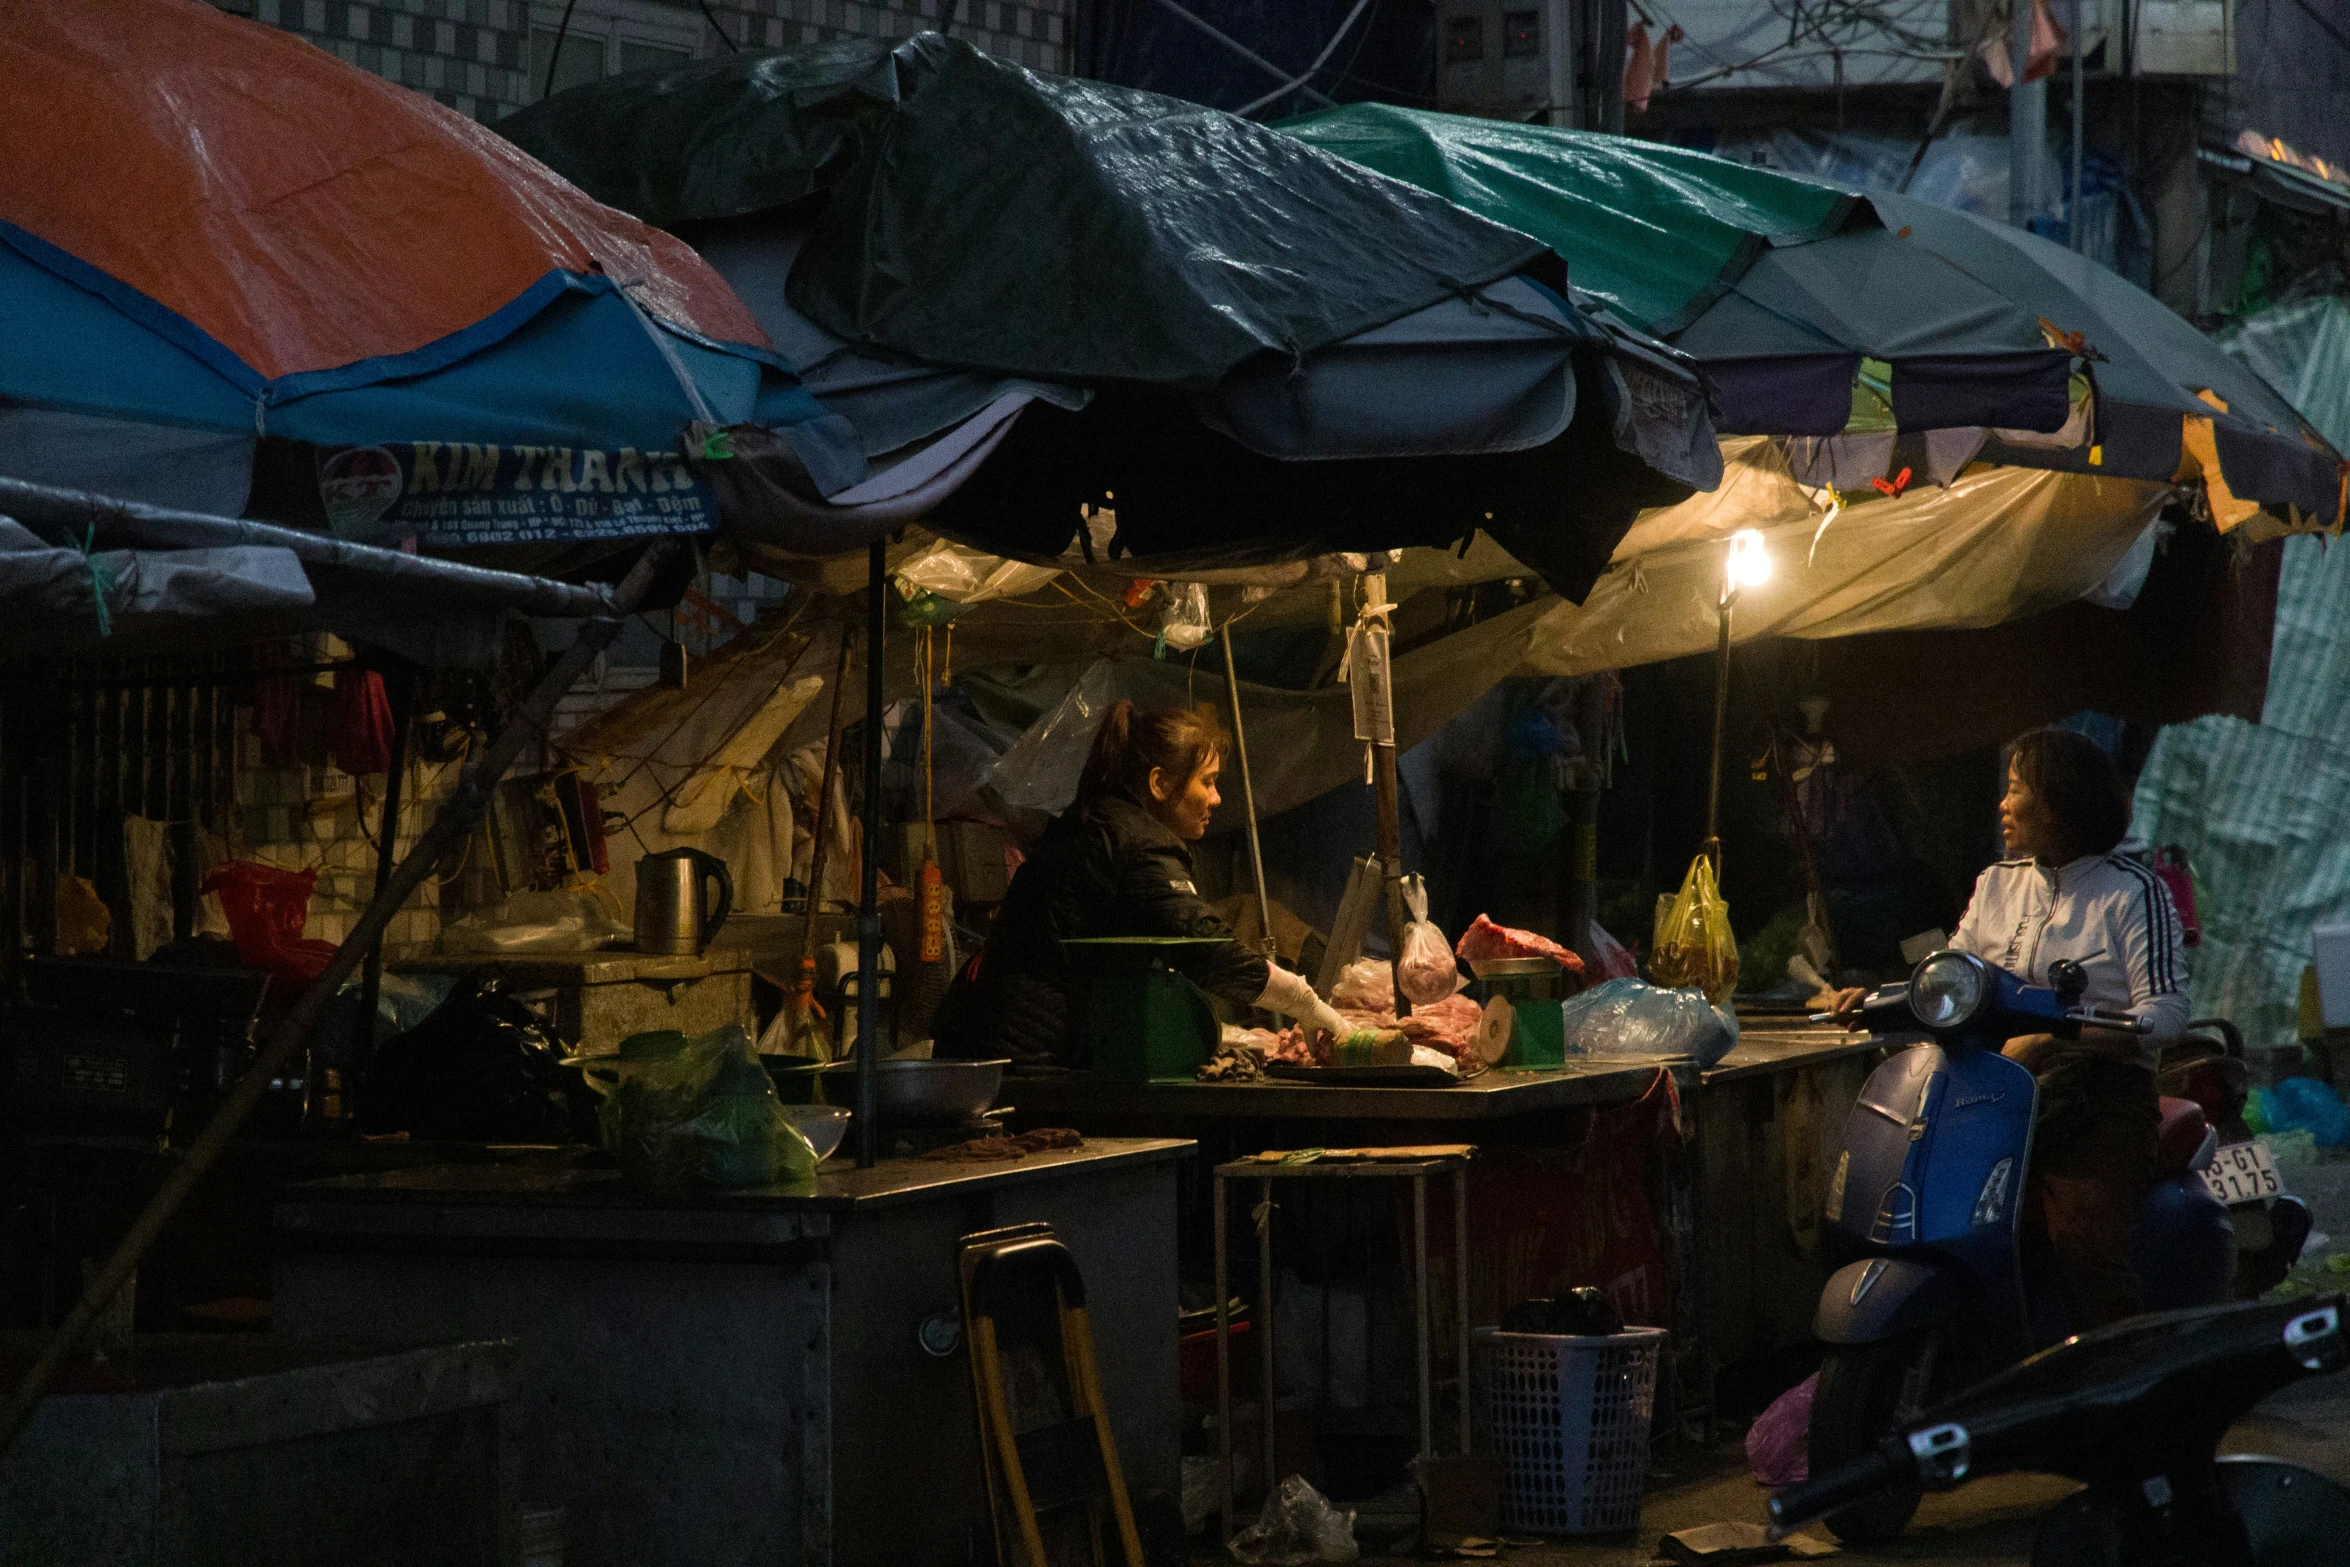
[(2243, 1172)]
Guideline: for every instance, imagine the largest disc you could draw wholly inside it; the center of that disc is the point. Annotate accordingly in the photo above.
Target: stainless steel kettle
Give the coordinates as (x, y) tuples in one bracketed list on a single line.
[(673, 914)]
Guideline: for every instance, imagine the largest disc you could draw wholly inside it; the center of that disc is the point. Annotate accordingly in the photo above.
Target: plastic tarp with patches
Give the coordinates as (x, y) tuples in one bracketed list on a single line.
[(2259, 807)]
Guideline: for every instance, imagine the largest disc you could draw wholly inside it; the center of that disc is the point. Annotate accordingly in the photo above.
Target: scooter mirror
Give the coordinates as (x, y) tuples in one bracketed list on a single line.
[(2069, 980)]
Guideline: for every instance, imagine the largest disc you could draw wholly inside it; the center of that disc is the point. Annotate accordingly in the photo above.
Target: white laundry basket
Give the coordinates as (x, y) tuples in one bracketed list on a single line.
[(1569, 1418)]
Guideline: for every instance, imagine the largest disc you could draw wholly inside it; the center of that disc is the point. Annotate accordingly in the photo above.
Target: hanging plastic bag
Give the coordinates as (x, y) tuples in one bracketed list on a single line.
[(1693, 941), (1426, 972), (1185, 624), (267, 911), (681, 1111)]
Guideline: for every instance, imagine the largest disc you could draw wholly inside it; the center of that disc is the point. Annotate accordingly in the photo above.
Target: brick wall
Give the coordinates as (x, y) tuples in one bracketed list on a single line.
[(474, 55)]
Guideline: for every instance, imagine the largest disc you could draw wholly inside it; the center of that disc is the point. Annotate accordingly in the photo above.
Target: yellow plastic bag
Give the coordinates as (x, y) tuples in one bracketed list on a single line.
[(1693, 941)]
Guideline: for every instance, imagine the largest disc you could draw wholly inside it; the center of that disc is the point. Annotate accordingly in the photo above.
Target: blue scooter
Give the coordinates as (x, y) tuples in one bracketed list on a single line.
[(1934, 1291)]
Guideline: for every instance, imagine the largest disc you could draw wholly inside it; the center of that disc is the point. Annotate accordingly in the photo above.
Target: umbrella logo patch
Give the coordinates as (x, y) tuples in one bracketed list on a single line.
[(358, 485)]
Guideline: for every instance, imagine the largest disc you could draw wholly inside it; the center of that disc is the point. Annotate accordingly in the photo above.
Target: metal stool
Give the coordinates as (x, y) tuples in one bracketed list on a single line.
[(1415, 1165)]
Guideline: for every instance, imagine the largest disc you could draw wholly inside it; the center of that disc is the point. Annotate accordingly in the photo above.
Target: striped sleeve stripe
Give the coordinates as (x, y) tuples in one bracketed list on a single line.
[(2162, 963)]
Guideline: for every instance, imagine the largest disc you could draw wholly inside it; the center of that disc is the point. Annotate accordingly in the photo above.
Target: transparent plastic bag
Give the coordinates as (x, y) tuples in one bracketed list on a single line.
[(962, 575), (1297, 1526), (529, 921), (1365, 985), (1041, 769), (1623, 1017), (1694, 945), (1185, 623), (680, 1111), (1426, 972)]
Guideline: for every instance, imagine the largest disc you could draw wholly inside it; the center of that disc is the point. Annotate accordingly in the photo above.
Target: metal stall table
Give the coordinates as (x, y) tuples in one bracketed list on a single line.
[(1414, 1165)]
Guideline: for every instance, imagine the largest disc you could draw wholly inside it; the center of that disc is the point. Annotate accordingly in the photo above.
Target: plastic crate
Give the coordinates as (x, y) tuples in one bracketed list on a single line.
[(1569, 1418)]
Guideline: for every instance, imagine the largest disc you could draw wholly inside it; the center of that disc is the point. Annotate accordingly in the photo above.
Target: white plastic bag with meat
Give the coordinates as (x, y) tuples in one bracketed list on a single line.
[(1365, 985), (1426, 973)]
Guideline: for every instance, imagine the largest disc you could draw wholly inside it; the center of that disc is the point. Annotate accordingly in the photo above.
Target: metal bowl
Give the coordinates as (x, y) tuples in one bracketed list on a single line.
[(913, 1093), (823, 1125)]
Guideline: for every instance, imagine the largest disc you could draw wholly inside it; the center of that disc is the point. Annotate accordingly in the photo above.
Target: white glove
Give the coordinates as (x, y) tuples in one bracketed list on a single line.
[(1290, 995)]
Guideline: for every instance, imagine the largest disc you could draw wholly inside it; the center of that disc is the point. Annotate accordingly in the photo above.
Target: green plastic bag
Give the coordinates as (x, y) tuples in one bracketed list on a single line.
[(680, 1112)]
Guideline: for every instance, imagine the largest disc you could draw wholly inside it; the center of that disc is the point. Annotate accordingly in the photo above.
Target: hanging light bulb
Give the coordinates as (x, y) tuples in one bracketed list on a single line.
[(1749, 564)]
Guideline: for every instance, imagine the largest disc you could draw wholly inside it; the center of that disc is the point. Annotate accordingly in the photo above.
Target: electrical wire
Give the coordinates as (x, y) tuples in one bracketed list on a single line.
[(1320, 60), (724, 36), (555, 53)]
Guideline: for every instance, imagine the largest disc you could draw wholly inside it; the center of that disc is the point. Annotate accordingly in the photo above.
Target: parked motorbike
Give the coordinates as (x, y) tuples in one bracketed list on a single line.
[(2135, 1411), (2207, 1065), (1935, 1290)]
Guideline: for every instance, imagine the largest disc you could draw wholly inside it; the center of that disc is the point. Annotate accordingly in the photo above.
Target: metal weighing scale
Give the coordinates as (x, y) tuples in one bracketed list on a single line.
[(1522, 1028)]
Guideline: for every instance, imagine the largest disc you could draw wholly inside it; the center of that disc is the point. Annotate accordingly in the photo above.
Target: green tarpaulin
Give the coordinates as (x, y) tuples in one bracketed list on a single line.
[(1658, 232), (2260, 807), (1778, 287), (987, 217)]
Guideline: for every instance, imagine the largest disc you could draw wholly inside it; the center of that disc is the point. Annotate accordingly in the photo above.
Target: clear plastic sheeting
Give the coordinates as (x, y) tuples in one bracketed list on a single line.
[(1998, 544), (963, 575), (706, 767), (1300, 743)]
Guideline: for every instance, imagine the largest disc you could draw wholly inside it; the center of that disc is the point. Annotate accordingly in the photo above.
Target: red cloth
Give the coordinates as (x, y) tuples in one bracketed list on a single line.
[(363, 722)]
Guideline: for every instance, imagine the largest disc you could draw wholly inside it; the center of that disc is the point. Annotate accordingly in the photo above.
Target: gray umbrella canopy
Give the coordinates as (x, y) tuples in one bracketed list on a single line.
[(1244, 339)]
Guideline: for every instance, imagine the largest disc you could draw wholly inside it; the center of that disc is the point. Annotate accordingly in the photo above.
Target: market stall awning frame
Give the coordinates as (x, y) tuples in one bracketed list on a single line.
[(431, 611)]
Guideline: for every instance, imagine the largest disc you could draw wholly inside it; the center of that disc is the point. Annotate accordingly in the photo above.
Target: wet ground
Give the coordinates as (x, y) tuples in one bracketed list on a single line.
[(1990, 1522), (1987, 1524)]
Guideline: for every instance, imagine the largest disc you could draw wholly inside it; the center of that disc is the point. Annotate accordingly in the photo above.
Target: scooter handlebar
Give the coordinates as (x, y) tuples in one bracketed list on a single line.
[(1854, 1480)]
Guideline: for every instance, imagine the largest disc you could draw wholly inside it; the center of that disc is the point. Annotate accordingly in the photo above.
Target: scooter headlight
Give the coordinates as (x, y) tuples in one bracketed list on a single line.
[(1948, 989)]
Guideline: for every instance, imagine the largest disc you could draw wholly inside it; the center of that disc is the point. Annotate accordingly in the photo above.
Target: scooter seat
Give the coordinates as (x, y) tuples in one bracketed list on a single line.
[(2179, 1137)]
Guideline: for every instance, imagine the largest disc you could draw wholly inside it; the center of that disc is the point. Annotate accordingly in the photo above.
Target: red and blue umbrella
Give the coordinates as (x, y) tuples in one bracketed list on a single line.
[(211, 227)]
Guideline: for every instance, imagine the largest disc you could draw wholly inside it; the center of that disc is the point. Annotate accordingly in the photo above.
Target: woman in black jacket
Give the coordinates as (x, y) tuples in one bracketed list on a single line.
[(1116, 863)]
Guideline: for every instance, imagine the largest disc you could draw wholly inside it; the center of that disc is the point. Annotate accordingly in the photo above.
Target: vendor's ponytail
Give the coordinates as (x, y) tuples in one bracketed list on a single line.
[(1129, 745)]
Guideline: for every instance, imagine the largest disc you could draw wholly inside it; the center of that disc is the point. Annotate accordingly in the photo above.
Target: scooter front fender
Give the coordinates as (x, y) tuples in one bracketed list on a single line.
[(1878, 1298)]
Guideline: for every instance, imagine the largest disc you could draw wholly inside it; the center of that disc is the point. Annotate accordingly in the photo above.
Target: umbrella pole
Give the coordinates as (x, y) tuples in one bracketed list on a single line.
[(869, 898), (455, 819), (803, 1002), (2073, 206), (1582, 900), (1713, 771), (1248, 793), (1390, 813), (371, 978)]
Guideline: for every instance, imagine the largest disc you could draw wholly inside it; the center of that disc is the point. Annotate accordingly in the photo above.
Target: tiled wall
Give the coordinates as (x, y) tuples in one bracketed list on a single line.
[(299, 817), (474, 55)]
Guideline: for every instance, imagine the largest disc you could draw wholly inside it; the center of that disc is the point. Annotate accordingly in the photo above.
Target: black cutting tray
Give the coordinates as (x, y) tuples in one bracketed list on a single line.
[(1362, 1076)]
